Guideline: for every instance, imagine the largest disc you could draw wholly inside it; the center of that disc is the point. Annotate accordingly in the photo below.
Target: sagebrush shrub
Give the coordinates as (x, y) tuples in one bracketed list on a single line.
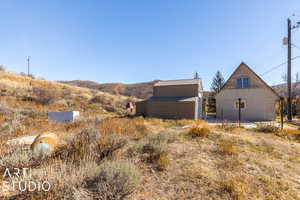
[(41, 95), (16, 158), (13, 124), (266, 128), (83, 145), (107, 103), (108, 144), (66, 179), (100, 99), (116, 180), (5, 109), (89, 133), (110, 108)]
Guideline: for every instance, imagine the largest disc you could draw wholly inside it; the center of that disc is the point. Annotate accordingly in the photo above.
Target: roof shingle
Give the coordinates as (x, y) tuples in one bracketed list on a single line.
[(178, 82)]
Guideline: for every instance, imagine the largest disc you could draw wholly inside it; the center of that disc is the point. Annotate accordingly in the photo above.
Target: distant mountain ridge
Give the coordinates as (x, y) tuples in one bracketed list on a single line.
[(281, 89), (141, 90), (144, 90)]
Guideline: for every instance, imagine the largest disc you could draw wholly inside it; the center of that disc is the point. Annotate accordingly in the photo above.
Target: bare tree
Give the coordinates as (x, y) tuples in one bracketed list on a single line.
[(2, 68), (218, 82), (295, 84)]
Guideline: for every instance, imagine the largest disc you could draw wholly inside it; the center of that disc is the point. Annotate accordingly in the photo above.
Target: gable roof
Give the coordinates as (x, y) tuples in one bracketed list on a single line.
[(179, 82), (180, 99), (245, 65)]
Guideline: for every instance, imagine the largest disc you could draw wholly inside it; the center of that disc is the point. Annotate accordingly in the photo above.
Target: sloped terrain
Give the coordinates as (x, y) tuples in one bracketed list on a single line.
[(153, 159), (26, 100), (105, 155), (138, 90)]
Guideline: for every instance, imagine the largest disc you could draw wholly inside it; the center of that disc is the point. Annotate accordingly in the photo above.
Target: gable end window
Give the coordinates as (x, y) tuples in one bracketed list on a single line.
[(243, 82)]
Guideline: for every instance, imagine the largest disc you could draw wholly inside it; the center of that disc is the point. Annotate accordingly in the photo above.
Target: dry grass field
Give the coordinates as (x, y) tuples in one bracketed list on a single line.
[(109, 157)]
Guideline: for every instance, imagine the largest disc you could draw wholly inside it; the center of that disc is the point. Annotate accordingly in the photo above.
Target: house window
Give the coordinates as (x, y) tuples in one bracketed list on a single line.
[(243, 82), (243, 104)]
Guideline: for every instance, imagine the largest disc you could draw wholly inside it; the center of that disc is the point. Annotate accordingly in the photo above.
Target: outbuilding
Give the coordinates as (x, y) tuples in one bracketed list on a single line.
[(174, 99), (258, 99)]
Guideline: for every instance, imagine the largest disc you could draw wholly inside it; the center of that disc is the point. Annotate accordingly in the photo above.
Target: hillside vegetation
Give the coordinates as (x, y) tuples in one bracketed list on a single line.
[(27, 100), (108, 157)]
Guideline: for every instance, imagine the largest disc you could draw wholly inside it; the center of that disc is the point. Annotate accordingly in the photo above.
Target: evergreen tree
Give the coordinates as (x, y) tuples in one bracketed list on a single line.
[(218, 82)]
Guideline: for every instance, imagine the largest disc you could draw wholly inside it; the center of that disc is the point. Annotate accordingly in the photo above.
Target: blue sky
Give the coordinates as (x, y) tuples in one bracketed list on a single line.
[(142, 40)]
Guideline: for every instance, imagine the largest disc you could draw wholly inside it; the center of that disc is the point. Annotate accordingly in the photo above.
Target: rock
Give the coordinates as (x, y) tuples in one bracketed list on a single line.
[(27, 140), (44, 144)]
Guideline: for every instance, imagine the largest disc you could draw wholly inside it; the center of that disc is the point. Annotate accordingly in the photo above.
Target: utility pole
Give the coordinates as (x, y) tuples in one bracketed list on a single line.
[(28, 65), (281, 112), (288, 41), (196, 76), (289, 72), (239, 112)]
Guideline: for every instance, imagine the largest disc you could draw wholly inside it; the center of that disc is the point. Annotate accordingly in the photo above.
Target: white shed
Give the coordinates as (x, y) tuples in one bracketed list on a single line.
[(63, 116)]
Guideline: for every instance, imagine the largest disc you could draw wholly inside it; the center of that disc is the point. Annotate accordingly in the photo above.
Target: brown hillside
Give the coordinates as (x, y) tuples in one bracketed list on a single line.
[(145, 90), (139, 90), (281, 89), (20, 90)]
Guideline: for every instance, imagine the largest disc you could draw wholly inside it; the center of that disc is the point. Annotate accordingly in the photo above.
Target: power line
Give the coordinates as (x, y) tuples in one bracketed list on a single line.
[(296, 46), (277, 66)]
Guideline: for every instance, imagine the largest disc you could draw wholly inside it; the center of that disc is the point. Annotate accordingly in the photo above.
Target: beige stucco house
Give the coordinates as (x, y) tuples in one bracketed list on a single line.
[(174, 99), (257, 98)]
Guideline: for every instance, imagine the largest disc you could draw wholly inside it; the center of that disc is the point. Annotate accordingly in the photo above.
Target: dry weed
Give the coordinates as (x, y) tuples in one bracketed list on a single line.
[(227, 147), (200, 130), (135, 128), (108, 144), (266, 128)]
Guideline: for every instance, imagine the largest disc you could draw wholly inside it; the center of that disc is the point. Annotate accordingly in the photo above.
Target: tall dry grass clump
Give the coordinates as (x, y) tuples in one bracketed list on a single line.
[(108, 144), (293, 134), (91, 143), (80, 146), (199, 130), (135, 127), (228, 127), (153, 150), (233, 187), (227, 147)]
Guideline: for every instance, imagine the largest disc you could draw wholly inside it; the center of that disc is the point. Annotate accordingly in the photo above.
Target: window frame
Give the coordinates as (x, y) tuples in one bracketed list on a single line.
[(242, 79), (236, 102)]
